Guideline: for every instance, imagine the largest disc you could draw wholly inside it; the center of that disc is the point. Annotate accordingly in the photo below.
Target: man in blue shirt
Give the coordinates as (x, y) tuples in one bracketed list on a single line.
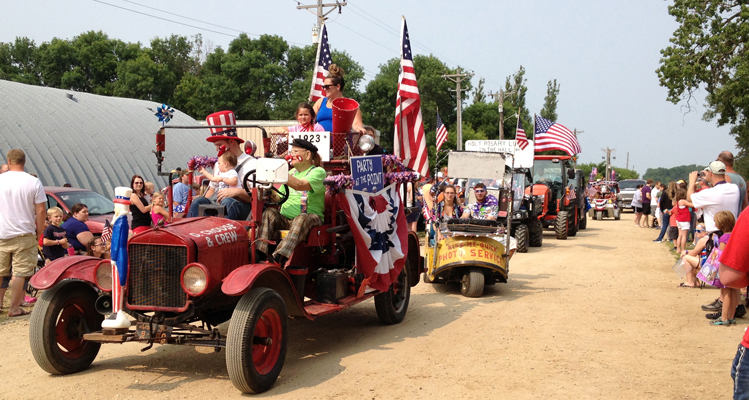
[(179, 193)]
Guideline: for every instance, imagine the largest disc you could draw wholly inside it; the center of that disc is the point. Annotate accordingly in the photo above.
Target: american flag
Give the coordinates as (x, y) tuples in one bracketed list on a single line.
[(520, 138), (322, 62), (441, 132), (410, 143), (106, 233), (553, 136)]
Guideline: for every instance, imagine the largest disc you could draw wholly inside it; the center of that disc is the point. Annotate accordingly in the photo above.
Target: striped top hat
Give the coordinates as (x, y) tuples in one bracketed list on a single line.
[(222, 118)]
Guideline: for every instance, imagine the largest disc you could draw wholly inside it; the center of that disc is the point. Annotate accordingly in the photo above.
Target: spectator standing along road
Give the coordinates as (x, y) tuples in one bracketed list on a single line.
[(723, 196), (22, 215), (726, 158)]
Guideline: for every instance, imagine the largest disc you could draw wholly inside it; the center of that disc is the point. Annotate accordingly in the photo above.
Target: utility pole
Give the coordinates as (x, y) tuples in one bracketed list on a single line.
[(321, 15), (576, 132), (500, 97), (608, 157), (458, 78), (627, 160)]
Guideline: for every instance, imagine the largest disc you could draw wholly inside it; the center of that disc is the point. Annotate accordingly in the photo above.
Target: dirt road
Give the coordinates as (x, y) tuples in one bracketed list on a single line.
[(596, 316)]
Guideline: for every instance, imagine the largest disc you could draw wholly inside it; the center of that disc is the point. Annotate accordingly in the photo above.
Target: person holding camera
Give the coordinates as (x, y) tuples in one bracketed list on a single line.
[(722, 196)]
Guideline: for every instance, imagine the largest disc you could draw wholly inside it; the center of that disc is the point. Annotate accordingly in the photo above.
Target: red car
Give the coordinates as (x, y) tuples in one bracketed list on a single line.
[(100, 208)]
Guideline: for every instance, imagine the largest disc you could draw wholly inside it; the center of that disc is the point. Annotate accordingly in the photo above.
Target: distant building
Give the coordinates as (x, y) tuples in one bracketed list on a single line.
[(91, 141)]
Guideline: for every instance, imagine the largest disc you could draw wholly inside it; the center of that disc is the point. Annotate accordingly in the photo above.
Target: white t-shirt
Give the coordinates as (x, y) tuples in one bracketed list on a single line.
[(247, 167), (19, 193), (637, 199), (723, 197), (228, 175)]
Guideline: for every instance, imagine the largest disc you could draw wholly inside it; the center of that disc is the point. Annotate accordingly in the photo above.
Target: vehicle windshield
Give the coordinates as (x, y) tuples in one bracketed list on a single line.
[(489, 183), (96, 203), (547, 171), (624, 185)]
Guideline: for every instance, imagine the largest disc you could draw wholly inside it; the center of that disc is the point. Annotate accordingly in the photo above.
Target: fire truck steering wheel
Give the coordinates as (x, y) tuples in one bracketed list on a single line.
[(249, 182)]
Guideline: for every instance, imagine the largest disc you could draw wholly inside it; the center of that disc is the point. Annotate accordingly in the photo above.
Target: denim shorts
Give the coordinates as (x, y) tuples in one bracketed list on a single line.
[(740, 374)]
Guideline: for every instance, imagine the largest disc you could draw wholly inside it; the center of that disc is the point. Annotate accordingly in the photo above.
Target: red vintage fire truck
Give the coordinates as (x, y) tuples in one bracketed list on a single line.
[(190, 276)]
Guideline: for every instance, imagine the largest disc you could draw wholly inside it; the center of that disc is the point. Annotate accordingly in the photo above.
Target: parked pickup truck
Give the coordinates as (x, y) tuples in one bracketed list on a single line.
[(627, 188)]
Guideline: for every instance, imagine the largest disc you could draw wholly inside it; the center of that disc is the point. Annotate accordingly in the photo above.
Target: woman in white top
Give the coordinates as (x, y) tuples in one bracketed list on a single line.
[(637, 204)]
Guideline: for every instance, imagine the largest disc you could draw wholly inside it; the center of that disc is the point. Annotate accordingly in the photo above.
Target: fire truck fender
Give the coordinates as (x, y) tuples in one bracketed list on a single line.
[(415, 260), (82, 268), (246, 277)]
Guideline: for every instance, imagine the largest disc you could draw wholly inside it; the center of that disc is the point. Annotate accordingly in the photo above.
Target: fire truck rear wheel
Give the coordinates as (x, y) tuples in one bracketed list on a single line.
[(391, 306), (257, 340), (521, 236), (60, 318)]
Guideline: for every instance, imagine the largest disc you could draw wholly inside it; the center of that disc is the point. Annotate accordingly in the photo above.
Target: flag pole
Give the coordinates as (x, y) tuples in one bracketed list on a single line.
[(400, 105), (317, 60)]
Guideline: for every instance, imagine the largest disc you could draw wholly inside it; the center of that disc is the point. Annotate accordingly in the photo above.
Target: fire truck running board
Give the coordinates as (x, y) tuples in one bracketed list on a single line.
[(316, 309)]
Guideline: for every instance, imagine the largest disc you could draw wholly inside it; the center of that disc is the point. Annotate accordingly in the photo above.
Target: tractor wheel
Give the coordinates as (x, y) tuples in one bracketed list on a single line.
[(599, 215), (584, 221), (521, 235), (60, 318), (391, 306), (256, 341), (561, 225), (572, 228), (535, 233), (472, 283)]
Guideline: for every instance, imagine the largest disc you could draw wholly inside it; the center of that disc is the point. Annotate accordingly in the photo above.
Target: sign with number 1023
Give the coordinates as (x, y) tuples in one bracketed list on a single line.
[(319, 139)]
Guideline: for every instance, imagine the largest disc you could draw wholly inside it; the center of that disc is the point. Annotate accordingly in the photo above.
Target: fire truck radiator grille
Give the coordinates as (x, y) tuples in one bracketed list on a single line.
[(154, 275)]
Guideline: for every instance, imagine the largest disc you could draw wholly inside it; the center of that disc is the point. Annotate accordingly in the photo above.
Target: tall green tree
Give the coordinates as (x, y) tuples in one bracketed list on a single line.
[(549, 110), (709, 50), (673, 173), (518, 84), (478, 92), (483, 118), (19, 61)]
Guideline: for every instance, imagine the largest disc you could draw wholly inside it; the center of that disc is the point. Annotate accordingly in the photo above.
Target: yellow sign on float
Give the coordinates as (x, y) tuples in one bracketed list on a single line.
[(462, 250)]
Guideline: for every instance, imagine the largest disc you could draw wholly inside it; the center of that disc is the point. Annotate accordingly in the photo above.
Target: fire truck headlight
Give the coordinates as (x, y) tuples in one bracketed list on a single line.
[(194, 279), (104, 276)]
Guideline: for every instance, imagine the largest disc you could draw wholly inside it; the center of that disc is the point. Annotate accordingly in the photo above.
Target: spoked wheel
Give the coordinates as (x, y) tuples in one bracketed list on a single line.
[(60, 318), (472, 283), (256, 341), (391, 306)]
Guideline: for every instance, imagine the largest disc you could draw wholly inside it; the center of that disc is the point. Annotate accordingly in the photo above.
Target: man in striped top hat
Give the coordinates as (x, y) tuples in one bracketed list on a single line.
[(236, 200)]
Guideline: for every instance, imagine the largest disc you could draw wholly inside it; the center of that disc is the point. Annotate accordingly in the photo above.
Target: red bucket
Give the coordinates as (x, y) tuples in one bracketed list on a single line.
[(344, 111)]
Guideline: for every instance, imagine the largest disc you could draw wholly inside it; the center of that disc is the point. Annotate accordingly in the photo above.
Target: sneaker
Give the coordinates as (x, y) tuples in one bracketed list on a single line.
[(715, 315), (657, 241), (740, 311), (725, 323), (32, 300), (717, 305)]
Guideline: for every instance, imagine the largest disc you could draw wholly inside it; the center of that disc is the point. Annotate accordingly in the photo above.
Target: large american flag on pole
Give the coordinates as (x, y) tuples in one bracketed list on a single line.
[(410, 143), (322, 62), (441, 132), (520, 138), (378, 224), (553, 136)]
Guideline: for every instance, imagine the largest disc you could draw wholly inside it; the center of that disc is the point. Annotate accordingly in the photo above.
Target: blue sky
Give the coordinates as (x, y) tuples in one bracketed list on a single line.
[(603, 54)]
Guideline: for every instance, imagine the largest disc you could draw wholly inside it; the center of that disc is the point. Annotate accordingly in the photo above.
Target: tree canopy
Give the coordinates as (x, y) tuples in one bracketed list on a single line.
[(708, 50), (621, 173), (549, 110), (672, 174)]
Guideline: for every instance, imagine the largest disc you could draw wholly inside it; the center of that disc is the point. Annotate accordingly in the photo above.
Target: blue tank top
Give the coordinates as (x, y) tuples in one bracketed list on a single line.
[(325, 116)]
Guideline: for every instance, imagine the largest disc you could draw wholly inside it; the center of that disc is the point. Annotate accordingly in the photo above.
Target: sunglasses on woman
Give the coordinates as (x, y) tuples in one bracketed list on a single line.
[(326, 87)]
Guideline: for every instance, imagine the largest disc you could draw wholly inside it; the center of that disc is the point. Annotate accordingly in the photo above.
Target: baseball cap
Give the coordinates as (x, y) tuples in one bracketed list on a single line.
[(717, 167), (680, 181)]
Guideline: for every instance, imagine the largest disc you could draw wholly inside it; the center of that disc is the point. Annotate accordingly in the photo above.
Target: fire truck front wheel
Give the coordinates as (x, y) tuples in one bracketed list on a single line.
[(257, 340), (391, 306), (60, 318)]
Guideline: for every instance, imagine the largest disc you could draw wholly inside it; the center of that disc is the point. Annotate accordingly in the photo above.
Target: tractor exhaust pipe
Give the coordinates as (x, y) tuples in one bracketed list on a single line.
[(103, 305)]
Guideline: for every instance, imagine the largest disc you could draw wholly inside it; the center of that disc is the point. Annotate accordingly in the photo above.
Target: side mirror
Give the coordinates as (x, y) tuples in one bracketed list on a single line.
[(272, 170)]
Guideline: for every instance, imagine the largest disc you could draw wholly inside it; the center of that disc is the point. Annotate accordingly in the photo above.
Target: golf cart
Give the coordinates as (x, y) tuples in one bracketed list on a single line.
[(604, 200), (473, 252)]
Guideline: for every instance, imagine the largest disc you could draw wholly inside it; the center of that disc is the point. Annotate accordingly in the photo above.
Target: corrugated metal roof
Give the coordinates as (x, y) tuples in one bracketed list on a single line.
[(91, 141)]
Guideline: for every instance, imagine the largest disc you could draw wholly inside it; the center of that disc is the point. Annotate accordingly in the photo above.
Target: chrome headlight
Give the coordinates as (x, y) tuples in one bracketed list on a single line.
[(366, 143), (103, 276), (195, 279)]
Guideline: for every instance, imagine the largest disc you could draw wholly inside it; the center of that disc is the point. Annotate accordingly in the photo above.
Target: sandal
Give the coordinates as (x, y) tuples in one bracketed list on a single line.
[(722, 322), (21, 314), (687, 286)]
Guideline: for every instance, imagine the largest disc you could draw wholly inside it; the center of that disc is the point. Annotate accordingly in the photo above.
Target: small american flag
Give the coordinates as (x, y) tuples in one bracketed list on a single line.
[(409, 144), (553, 136), (441, 132), (322, 63), (520, 138), (106, 233)]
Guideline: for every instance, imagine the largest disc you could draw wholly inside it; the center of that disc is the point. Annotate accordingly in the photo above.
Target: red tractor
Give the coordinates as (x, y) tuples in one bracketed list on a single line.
[(190, 276), (555, 180)]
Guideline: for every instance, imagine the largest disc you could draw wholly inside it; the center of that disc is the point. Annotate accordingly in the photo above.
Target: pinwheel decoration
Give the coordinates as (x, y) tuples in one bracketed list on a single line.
[(165, 114)]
